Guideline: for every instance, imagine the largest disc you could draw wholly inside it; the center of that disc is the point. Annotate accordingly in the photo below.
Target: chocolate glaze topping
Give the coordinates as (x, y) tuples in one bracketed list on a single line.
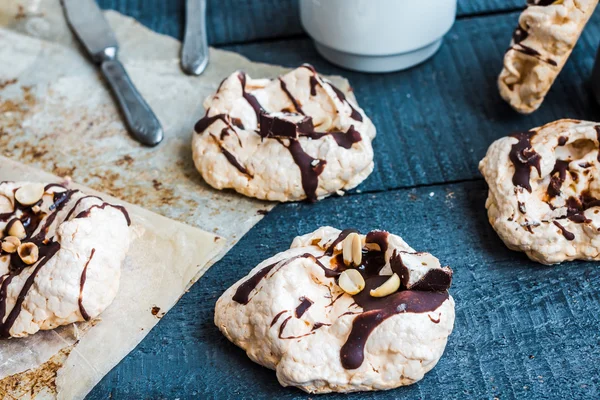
[(523, 157), (47, 248)]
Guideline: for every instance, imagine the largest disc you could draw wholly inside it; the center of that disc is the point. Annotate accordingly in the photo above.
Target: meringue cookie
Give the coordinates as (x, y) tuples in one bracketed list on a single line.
[(544, 187), (68, 265), (290, 314), (541, 44), (287, 139)]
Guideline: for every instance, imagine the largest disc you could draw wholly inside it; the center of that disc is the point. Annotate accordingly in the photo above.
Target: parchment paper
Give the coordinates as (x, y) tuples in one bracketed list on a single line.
[(163, 261)]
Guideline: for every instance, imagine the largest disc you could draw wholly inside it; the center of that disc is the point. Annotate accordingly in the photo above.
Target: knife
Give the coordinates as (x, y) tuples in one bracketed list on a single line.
[(91, 28), (194, 53)]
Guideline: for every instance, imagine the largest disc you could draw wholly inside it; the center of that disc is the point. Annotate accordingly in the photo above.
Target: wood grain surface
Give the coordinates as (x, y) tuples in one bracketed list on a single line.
[(522, 330)]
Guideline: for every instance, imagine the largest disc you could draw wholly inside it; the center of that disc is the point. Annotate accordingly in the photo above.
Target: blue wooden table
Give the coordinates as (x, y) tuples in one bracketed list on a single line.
[(522, 330)]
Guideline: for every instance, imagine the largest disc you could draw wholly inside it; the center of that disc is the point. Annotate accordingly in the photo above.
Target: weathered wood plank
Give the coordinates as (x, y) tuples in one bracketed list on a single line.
[(522, 330), (235, 21), (436, 121)]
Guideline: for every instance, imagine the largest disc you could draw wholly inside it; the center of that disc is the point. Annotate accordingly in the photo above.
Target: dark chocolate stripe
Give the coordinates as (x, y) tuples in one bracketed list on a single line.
[(568, 235), (250, 98), (242, 294), (291, 97), (84, 313), (86, 213)]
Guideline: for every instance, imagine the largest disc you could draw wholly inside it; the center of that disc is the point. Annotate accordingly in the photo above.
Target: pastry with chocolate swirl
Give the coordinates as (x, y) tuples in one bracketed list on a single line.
[(541, 44), (292, 138), (341, 312), (60, 257), (544, 191)]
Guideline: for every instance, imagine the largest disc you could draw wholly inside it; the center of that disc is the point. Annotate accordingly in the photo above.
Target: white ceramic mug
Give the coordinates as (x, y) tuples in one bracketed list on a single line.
[(377, 35)]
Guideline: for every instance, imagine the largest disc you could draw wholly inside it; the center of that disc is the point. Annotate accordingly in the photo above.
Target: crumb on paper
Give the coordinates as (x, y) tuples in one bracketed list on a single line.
[(126, 159), (262, 212), (7, 82)]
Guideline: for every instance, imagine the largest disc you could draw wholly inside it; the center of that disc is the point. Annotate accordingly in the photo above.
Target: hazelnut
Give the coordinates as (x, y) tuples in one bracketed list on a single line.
[(17, 229), (29, 253), (10, 244), (388, 287), (30, 193), (351, 281)]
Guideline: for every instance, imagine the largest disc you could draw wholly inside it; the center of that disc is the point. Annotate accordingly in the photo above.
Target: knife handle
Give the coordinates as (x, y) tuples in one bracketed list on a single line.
[(141, 121), (194, 53)]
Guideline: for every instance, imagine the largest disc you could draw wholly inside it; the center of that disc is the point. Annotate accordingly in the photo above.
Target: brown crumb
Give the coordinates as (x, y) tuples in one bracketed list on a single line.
[(262, 212), (126, 159), (7, 82), (20, 13), (157, 185), (155, 311), (412, 196)]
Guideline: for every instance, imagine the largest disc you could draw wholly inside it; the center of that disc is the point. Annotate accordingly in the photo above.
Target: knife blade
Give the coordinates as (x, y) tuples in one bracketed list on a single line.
[(194, 53), (87, 22)]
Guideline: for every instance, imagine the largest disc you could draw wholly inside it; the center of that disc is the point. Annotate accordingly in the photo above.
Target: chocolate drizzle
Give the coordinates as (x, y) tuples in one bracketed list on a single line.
[(84, 313), (541, 3), (291, 97), (568, 235), (519, 35), (250, 98), (597, 128), (233, 161), (310, 168), (355, 115), (314, 82), (523, 157), (276, 318)]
